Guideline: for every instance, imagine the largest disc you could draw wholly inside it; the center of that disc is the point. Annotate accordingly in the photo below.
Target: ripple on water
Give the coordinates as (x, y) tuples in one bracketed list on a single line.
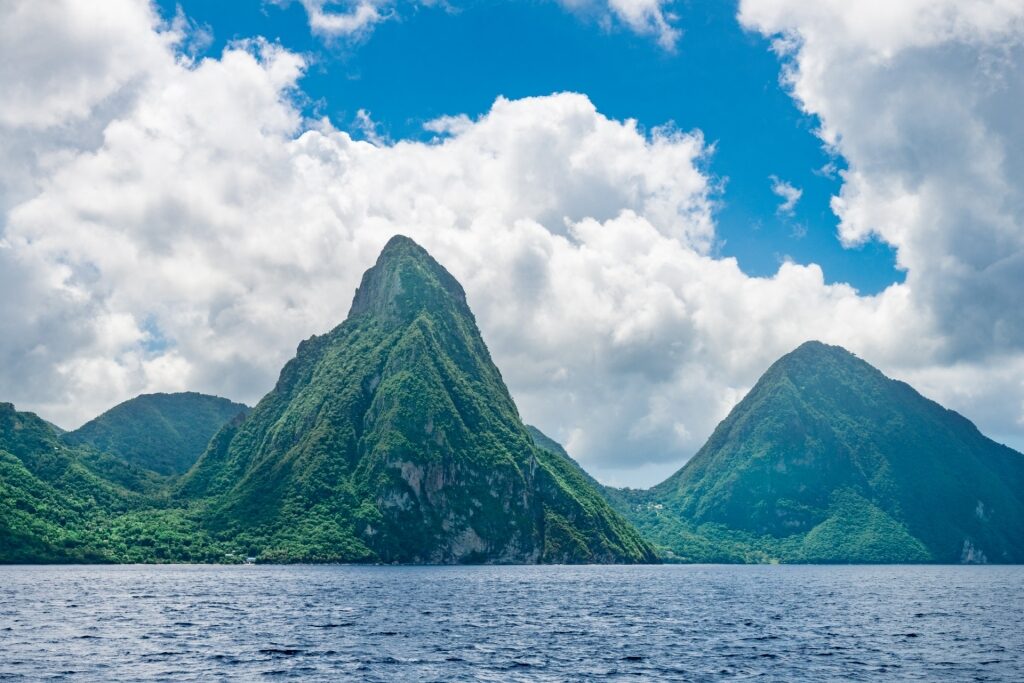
[(511, 623)]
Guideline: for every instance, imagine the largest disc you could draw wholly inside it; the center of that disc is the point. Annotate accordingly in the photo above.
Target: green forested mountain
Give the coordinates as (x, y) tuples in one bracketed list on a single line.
[(828, 460), (393, 438), (547, 443), (165, 433), (390, 439)]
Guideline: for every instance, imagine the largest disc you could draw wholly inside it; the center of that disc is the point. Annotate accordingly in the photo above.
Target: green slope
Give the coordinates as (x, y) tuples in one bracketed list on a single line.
[(165, 433), (393, 438), (52, 497), (60, 503), (548, 444), (828, 460)]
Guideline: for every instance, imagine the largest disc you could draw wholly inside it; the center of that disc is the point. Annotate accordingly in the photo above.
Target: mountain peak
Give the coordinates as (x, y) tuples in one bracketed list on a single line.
[(814, 345), (404, 281), (161, 432), (827, 459), (815, 359), (815, 349), (394, 438), (399, 243)]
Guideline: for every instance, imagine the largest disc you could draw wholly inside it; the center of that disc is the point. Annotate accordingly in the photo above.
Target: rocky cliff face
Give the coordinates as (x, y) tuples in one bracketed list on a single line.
[(393, 438)]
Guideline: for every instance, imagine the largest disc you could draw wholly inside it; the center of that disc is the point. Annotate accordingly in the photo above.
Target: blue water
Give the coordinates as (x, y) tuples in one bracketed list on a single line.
[(512, 623)]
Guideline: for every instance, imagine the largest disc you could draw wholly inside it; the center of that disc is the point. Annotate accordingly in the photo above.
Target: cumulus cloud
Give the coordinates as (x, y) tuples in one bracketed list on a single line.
[(922, 99), (788, 193), (188, 228), (60, 59)]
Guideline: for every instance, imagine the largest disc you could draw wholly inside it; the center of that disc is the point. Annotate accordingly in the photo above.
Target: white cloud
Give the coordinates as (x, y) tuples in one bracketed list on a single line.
[(923, 99), (449, 125), (648, 17), (643, 17), (788, 193), (367, 127), (189, 229), (60, 59), (345, 18)]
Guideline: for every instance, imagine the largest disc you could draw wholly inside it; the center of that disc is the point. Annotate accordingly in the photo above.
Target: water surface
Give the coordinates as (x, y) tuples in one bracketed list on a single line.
[(512, 623)]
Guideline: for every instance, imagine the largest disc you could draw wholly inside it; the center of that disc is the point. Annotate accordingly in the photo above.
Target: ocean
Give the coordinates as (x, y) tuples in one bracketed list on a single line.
[(511, 623)]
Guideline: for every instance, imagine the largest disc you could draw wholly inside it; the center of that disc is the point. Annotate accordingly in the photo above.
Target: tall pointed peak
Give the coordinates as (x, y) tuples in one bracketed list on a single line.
[(405, 281), (397, 436), (400, 243)]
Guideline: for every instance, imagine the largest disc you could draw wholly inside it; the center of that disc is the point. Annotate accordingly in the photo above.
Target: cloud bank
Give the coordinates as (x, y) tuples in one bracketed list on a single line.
[(174, 224)]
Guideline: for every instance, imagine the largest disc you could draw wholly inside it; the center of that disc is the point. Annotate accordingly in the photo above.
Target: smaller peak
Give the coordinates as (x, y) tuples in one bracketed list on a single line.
[(816, 357), (814, 347)]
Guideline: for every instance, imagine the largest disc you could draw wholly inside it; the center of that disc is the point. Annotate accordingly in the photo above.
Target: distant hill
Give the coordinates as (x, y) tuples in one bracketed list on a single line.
[(165, 433), (828, 460), (393, 438)]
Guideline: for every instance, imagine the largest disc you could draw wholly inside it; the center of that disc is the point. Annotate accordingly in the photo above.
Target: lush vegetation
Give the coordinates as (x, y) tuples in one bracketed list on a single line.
[(393, 438), (390, 439), (828, 460), (165, 433), (55, 502)]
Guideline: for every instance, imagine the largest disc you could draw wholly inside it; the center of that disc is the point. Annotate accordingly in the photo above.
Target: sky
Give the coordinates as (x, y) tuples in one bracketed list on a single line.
[(647, 201), (431, 61)]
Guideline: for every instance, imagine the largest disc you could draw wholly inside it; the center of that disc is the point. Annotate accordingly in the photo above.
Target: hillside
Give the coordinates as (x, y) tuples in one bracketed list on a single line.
[(52, 496), (165, 433), (828, 460)]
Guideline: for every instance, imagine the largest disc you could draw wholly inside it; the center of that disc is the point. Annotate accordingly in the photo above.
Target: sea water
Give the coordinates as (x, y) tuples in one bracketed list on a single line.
[(501, 623)]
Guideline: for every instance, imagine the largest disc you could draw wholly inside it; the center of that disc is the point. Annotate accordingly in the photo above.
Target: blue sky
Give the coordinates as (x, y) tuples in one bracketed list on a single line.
[(721, 80)]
